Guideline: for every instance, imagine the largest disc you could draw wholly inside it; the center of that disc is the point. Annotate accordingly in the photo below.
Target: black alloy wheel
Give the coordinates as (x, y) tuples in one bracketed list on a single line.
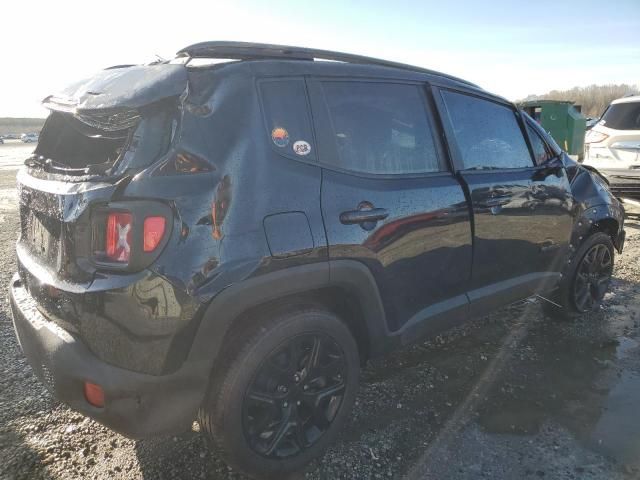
[(593, 276), (294, 396)]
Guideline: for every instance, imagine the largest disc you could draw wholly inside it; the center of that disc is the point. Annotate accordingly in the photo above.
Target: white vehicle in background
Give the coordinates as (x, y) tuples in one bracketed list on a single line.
[(29, 137), (612, 146)]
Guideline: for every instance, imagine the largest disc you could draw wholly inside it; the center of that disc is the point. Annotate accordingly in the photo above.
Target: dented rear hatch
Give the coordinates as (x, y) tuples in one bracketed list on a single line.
[(55, 229), (100, 132), (120, 120)]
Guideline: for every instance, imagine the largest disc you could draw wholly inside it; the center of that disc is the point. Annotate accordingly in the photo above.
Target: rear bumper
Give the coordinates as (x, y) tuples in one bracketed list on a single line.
[(136, 405)]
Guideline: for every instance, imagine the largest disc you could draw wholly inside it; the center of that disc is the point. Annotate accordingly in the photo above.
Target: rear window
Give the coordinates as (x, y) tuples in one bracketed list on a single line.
[(622, 116), (103, 144), (287, 118), (380, 128), (487, 133)]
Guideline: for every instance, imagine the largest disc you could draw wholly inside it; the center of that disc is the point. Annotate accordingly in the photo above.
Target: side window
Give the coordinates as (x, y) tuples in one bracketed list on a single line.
[(380, 128), (487, 133), (287, 118), (541, 151)]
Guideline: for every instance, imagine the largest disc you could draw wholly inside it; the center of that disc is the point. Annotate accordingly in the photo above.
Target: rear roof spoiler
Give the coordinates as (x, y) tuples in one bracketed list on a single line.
[(264, 51)]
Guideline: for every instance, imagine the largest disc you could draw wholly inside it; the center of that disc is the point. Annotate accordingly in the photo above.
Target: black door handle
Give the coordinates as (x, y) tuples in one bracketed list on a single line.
[(498, 201), (352, 217)]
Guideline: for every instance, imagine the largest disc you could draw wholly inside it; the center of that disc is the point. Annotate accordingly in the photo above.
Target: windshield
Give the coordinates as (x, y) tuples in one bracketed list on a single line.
[(622, 116)]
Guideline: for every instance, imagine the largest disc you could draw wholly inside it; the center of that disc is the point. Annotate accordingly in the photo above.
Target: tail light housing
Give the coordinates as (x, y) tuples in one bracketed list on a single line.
[(129, 235), (594, 136), (118, 237)]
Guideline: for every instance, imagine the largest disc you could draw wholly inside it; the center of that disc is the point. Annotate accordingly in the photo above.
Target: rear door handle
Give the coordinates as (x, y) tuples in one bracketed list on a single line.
[(352, 217), (497, 201)]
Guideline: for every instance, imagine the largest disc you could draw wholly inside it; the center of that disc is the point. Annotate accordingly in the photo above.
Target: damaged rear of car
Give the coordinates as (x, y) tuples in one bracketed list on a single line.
[(103, 128), (86, 245)]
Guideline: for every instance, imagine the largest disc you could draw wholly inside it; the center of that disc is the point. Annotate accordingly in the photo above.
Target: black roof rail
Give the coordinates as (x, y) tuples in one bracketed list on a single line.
[(257, 51)]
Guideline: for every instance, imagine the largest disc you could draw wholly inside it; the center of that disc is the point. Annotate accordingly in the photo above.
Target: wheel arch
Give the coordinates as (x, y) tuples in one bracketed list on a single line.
[(600, 218), (344, 287)]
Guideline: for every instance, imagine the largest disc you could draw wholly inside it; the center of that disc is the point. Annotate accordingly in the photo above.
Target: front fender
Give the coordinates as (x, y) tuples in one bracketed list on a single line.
[(596, 208), (607, 217)]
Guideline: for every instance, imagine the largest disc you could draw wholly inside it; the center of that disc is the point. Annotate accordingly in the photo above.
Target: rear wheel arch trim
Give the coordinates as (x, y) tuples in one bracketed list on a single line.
[(235, 300)]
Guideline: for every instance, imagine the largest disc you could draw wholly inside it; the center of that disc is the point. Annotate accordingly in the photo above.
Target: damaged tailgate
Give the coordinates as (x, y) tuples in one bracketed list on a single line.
[(122, 119), (121, 88)]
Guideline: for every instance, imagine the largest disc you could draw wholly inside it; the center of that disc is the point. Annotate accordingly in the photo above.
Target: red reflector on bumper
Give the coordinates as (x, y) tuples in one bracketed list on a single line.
[(94, 394)]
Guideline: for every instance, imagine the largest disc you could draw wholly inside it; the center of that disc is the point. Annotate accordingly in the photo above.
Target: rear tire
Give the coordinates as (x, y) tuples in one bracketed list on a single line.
[(282, 392), (586, 280)]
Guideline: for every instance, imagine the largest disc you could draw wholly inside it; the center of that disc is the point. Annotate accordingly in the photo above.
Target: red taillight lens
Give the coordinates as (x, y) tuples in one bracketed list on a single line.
[(153, 232), (118, 237), (94, 394)]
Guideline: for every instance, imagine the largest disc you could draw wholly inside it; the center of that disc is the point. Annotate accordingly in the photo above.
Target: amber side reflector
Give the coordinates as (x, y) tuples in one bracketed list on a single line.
[(94, 394)]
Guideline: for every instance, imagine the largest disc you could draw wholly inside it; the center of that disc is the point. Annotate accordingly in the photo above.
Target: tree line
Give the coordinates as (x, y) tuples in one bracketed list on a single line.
[(593, 99)]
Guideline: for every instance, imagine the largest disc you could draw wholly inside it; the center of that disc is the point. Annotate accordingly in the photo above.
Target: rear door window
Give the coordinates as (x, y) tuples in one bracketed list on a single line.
[(487, 133), (287, 118), (622, 116), (379, 128), (541, 151)]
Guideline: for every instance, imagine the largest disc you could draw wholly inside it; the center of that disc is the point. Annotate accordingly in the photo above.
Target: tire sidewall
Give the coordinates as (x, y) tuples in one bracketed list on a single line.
[(243, 369), (567, 296)]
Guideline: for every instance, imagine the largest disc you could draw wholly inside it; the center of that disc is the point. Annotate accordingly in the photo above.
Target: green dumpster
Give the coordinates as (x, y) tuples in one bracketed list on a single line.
[(563, 120)]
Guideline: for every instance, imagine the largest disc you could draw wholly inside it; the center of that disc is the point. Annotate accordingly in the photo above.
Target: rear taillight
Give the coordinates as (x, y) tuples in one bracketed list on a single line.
[(129, 236), (118, 237), (153, 233)]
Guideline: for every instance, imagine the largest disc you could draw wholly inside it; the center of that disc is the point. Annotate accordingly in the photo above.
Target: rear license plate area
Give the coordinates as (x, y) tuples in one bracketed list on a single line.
[(42, 235)]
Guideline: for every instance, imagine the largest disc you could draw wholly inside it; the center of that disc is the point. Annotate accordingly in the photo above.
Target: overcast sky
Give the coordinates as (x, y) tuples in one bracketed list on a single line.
[(511, 48)]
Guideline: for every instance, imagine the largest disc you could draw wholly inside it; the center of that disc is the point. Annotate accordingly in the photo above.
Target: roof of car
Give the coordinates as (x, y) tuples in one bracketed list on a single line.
[(627, 99), (541, 101), (268, 58)]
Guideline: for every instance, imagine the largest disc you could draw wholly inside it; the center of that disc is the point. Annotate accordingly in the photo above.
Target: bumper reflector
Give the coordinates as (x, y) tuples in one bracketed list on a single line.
[(94, 394)]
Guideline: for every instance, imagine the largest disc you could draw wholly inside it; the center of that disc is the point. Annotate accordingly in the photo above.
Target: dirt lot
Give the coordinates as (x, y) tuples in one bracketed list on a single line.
[(512, 395)]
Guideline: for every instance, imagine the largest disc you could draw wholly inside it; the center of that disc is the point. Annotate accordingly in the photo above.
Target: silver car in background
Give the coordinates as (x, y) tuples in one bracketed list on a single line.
[(612, 146), (29, 137)]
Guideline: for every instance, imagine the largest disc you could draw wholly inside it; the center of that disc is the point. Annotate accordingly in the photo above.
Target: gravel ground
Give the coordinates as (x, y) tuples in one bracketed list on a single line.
[(512, 395)]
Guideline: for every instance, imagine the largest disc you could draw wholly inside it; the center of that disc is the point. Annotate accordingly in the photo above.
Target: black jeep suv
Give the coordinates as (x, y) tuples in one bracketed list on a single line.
[(228, 235)]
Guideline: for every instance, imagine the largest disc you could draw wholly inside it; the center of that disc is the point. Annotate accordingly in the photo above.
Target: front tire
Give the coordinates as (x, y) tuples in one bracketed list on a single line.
[(283, 392), (586, 280)]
